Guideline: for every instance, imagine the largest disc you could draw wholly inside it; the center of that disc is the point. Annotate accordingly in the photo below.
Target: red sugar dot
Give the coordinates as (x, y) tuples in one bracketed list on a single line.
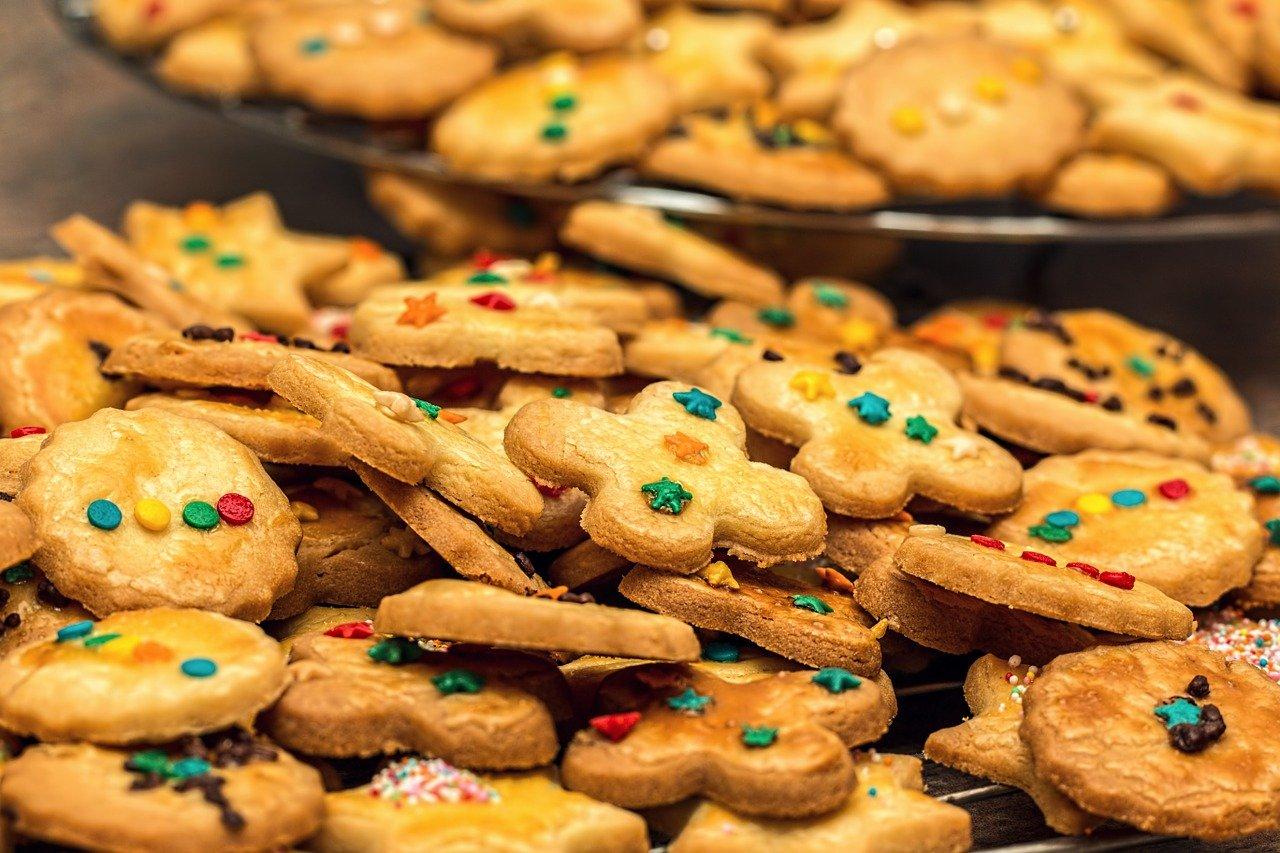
[(235, 509), (986, 542), (26, 430), (1037, 557), (484, 259), (350, 631), (1120, 580), (1084, 569), (616, 726), (494, 301), (1174, 489)]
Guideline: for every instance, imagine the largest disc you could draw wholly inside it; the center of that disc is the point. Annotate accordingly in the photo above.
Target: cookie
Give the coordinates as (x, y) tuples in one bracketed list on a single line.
[(958, 117), (212, 59), (1181, 726), (752, 154), (853, 544), (144, 676), (469, 612), (272, 429), (384, 62), (18, 539), (24, 278), (354, 550), (206, 357), (525, 328), (965, 335), (987, 744), (238, 257), (460, 541), (426, 802), (585, 564), (1079, 593), (368, 265), (846, 314), (772, 746), (560, 118), (1125, 511), (1106, 186), (236, 793), (1178, 30), (799, 621), (137, 26), (872, 438), (215, 534), (641, 239), (352, 694), (54, 345), (668, 480), (887, 810), (112, 265), (31, 609), (711, 60), (1253, 462), (1075, 380), (583, 26), (454, 220), (413, 441)]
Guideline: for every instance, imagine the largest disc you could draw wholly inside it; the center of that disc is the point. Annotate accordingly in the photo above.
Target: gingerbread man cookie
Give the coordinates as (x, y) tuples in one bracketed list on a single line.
[(144, 676), (557, 118), (775, 745), (872, 438), (411, 440), (847, 314), (669, 479), (583, 26), (212, 59), (711, 60)]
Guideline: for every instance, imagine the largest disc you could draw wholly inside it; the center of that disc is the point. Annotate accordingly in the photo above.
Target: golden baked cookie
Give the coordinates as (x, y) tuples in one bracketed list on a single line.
[(1254, 463), (711, 60), (583, 26), (1105, 186)]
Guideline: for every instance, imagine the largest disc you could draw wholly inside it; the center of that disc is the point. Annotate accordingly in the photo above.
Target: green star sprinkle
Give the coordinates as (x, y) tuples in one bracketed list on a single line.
[(920, 429), (812, 603), (777, 317), (698, 403), (758, 737), (733, 336), (690, 702), (395, 651), (560, 392), (458, 681), (831, 296), (667, 496), (1049, 533), (1178, 712), (1268, 485), (836, 679), (429, 409), (486, 277)]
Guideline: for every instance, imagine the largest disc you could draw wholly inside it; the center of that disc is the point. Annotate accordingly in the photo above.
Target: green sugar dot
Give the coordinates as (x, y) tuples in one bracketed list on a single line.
[(554, 131), (200, 515)]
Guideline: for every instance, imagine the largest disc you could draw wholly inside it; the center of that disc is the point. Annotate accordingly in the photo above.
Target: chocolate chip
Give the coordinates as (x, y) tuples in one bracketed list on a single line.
[(1013, 373), (847, 362), (4, 597), (578, 598), (1155, 393), (771, 355), (1198, 687), (678, 131), (224, 334), (48, 593), (232, 819), (13, 620), (303, 343), (1162, 421), (525, 564), (1112, 404), (340, 346), (1050, 325), (1049, 383), (198, 332), (100, 349), (1184, 387), (145, 782), (1209, 415), (1196, 738)]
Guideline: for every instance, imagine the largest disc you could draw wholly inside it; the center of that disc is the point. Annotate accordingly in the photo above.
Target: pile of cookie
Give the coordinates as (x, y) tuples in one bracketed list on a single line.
[(530, 555), (1099, 108)]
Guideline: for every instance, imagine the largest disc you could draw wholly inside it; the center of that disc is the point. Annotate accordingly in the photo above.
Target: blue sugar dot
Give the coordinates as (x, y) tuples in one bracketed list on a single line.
[(104, 515), (1128, 498), (199, 667), (1062, 518), (75, 630)]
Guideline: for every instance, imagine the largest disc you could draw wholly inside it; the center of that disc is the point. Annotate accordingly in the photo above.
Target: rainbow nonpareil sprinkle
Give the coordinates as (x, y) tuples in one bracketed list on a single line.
[(413, 781), (1240, 638)]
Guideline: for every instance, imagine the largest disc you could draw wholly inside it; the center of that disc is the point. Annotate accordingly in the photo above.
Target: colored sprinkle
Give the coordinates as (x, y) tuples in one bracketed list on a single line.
[(811, 603), (1266, 485), (721, 652), (100, 639), (395, 651), (314, 46), (1178, 712), (563, 102), (698, 403), (1094, 503), (201, 515), (1140, 365), (494, 301), (1241, 638), (689, 702), (986, 541), (151, 514), (554, 131), (812, 385), (410, 781), (1084, 569), (615, 727), (920, 429), (229, 260), (1062, 518), (1050, 533), (777, 317), (149, 651), (351, 631), (831, 296), (184, 768), (458, 681), (75, 630), (486, 277), (872, 408), (18, 574), (104, 515), (1273, 528), (1128, 498), (1174, 489), (21, 431), (1120, 580), (235, 509), (560, 392), (836, 679), (431, 410), (194, 243), (733, 336), (1037, 557), (758, 737), (198, 667), (667, 496)]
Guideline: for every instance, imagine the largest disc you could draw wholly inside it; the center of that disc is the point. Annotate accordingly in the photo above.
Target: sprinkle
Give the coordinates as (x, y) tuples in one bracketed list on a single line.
[(560, 392), (812, 385), (1241, 638), (486, 277), (563, 102), (151, 514), (419, 311), (686, 448), (228, 260), (698, 403), (986, 541), (1141, 366), (615, 727), (75, 630), (555, 593), (721, 652), (351, 631), (1120, 580), (314, 46), (990, 88), (719, 575), (198, 667), (811, 603), (1273, 528), (920, 429), (1084, 569), (100, 639), (200, 515), (431, 410), (758, 737), (1266, 485), (689, 702), (104, 515), (908, 120), (395, 651), (1050, 533), (1037, 557), (194, 243), (1094, 503), (1128, 498), (1062, 518), (830, 296), (458, 681), (836, 679), (21, 431), (1174, 489), (667, 496), (871, 408), (18, 574), (184, 768), (834, 580), (235, 509), (777, 317), (1178, 712), (411, 781), (494, 301), (859, 333), (733, 336), (554, 131)]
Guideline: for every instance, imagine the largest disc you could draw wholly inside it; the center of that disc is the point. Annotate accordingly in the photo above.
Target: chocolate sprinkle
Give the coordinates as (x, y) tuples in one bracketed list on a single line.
[(848, 362), (1198, 687), (1209, 415), (1184, 387), (771, 355), (1162, 421)]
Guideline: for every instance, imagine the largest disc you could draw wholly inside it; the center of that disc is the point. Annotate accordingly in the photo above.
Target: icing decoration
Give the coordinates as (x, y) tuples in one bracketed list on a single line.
[(416, 781), (733, 336), (494, 301), (812, 385), (686, 448), (689, 702), (1084, 569), (1191, 727), (458, 681), (986, 541), (1141, 366), (778, 317), (201, 515), (1055, 526), (1037, 557), (721, 652), (74, 631), (103, 514), (698, 403), (151, 514), (1273, 528), (667, 496), (351, 631), (919, 429), (395, 651), (195, 243), (830, 296), (872, 408), (1050, 533), (21, 431), (1120, 580), (758, 737), (235, 509), (615, 727), (1094, 503), (420, 311), (429, 409), (836, 679), (1128, 498), (198, 668), (811, 603), (718, 574), (402, 407), (1174, 489)]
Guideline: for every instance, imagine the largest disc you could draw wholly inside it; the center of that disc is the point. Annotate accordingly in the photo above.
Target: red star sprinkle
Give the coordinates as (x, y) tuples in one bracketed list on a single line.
[(616, 726), (1174, 489), (494, 301), (26, 430), (1037, 557), (1084, 569), (986, 542), (484, 259), (1120, 580), (351, 631)]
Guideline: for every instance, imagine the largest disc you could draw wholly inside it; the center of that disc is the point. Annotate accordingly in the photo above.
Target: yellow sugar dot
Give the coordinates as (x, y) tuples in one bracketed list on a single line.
[(812, 385), (151, 514), (1027, 70), (718, 574), (909, 121), (991, 88), (859, 334), (1094, 503)]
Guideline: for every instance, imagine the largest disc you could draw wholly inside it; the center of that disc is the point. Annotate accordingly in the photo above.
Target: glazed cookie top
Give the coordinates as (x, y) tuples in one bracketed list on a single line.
[(932, 112), (147, 508), (144, 676)]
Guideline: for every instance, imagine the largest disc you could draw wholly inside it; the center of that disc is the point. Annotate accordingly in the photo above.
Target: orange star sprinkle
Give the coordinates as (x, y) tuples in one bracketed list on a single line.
[(686, 448), (418, 312), (554, 592)]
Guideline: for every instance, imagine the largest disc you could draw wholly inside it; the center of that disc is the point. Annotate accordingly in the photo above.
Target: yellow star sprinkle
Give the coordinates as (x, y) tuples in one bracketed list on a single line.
[(718, 574), (812, 385)]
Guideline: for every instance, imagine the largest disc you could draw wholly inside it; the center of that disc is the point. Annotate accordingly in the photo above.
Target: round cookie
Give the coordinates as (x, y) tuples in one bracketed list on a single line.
[(146, 508), (1127, 733), (958, 117), (102, 799), (144, 676), (52, 348)]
